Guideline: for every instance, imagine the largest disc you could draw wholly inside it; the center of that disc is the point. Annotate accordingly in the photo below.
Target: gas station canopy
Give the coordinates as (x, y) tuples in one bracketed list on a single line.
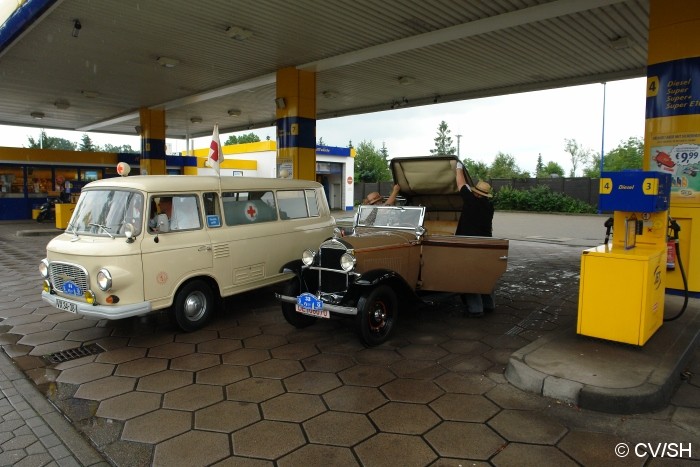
[(90, 65)]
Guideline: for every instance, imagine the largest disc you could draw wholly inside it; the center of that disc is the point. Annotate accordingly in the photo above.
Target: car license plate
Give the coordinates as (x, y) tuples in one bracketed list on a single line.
[(307, 304), (67, 306)]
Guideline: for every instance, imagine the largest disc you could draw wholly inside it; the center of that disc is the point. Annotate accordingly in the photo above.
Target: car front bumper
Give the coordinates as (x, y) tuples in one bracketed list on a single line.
[(101, 311), (342, 310)]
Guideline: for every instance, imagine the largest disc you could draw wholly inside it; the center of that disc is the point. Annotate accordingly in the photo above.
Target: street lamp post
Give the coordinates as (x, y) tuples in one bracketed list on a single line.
[(458, 138)]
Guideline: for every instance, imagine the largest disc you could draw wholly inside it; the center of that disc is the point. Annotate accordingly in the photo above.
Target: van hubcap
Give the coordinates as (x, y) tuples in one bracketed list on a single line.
[(195, 306)]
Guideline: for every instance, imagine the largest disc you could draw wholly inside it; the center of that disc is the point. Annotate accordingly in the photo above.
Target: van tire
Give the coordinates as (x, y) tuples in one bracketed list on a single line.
[(292, 289), (377, 312), (194, 304)]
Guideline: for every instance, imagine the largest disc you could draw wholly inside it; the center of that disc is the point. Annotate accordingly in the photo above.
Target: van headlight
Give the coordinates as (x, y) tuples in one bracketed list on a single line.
[(104, 280), (44, 268), (307, 257), (347, 262)]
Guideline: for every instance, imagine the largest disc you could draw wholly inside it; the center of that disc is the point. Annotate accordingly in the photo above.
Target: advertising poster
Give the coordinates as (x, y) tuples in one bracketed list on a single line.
[(673, 125)]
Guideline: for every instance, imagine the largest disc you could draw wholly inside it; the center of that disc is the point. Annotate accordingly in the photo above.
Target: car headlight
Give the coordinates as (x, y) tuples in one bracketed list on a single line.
[(347, 262), (307, 257), (44, 268), (104, 279)]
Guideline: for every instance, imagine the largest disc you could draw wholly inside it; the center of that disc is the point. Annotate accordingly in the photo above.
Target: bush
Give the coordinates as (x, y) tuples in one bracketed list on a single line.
[(540, 198)]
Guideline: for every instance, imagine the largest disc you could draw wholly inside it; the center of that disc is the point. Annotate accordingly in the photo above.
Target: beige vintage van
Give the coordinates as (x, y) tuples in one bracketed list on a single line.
[(135, 245)]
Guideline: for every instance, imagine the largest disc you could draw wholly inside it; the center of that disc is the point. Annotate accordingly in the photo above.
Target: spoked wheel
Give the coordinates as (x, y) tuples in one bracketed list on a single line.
[(193, 306), (293, 317), (377, 312)]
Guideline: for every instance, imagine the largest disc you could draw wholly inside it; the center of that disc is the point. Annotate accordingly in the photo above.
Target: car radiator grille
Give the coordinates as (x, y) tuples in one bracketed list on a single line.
[(330, 281), (60, 273)]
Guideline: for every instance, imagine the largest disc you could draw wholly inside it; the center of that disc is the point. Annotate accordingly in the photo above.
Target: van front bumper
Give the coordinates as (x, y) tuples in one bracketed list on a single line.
[(99, 311)]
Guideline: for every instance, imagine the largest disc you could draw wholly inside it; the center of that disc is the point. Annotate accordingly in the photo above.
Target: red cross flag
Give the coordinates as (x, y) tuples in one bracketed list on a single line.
[(216, 156)]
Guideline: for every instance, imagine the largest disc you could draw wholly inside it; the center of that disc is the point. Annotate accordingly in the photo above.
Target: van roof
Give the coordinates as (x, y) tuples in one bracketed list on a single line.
[(182, 183)]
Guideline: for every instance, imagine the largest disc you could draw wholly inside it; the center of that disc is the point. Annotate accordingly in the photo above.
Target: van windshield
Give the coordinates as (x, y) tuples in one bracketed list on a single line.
[(105, 212)]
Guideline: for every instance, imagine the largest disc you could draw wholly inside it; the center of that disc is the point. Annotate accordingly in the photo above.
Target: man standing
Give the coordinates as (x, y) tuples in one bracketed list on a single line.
[(476, 220)]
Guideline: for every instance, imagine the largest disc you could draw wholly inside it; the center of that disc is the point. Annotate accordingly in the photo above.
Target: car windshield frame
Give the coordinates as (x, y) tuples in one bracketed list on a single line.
[(390, 217), (105, 212)]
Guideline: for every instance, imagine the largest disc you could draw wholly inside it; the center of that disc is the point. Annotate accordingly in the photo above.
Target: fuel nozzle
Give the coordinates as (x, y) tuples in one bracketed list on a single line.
[(674, 227), (608, 227)]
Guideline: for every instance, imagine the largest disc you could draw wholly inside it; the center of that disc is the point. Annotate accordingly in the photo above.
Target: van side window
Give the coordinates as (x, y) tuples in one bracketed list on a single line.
[(249, 207), (297, 204), (179, 212)]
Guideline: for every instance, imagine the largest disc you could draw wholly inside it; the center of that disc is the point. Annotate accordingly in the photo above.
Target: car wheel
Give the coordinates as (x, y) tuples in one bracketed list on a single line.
[(194, 304), (377, 312), (292, 289)]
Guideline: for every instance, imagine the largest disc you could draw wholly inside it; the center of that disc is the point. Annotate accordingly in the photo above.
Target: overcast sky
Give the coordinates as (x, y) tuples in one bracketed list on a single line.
[(522, 125)]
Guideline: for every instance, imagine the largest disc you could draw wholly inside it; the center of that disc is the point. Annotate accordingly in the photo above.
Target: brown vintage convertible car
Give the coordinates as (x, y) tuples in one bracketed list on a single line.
[(394, 255)]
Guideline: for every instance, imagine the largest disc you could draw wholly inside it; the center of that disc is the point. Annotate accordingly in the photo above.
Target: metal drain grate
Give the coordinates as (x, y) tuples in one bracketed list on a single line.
[(73, 354)]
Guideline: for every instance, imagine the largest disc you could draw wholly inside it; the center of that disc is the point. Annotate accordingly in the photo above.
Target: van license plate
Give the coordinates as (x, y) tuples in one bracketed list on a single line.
[(67, 306)]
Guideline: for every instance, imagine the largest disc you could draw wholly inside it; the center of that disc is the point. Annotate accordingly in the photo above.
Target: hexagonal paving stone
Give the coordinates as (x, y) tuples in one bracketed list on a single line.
[(464, 383), (197, 337), (318, 455), (526, 455), (129, 405), (391, 449), (297, 351), (409, 419), (327, 362), (510, 397), (377, 356), (193, 397), (35, 327), (466, 347), (264, 341), (105, 388), (222, 374), (464, 440), (291, 407), (240, 332), (594, 449), (43, 337), (165, 381), (150, 341), (122, 355), (311, 382), (226, 416), (423, 352), (157, 426), (192, 448), (219, 346), (141, 367), (85, 373), (366, 375), (277, 369), (171, 350), (254, 390), (88, 334), (418, 369), (354, 399), (245, 357), (527, 427), (338, 428), (267, 439), (470, 364), (464, 408), (411, 390), (194, 362)]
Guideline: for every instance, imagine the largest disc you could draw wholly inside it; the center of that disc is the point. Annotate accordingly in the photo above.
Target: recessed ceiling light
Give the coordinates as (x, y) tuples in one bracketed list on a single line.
[(234, 113), (620, 43), (37, 115), (330, 94), (406, 80), (90, 94), (196, 119), (167, 62), (61, 104), (238, 33)]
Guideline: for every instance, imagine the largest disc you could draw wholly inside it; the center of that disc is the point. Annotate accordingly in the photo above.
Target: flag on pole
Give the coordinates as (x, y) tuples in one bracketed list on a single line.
[(216, 156)]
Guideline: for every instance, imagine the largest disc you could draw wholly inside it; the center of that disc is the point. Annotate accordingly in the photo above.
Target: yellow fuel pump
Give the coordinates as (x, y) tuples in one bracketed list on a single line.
[(622, 288)]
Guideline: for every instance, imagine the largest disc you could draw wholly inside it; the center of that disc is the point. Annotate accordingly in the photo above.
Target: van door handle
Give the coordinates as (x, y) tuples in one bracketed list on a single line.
[(204, 248)]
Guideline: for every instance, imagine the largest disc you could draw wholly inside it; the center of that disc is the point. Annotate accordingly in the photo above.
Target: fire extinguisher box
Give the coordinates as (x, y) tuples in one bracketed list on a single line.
[(621, 296)]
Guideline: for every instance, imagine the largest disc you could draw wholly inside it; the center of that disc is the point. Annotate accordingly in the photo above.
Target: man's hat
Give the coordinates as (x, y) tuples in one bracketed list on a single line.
[(483, 188)]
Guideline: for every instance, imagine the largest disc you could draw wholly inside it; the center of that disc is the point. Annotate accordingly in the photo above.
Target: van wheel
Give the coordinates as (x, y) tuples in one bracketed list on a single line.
[(292, 289), (377, 312), (194, 304)]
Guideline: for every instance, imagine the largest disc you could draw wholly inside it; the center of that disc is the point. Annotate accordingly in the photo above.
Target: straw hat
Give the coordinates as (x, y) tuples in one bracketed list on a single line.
[(483, 188)]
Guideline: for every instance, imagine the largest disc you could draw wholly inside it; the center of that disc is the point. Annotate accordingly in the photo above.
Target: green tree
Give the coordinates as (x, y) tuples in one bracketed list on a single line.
[(320, 142), (124, 148), (50, 142), (242, 139), (370, 164), (384, 152), (443, 142), (87, 145), (477, 169), (539, 168), (627, 155), (552, 168), (504, 166), (577, 153)]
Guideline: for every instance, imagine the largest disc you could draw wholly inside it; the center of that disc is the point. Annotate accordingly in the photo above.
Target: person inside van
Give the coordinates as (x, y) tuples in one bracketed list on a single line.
[(160, 220)]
